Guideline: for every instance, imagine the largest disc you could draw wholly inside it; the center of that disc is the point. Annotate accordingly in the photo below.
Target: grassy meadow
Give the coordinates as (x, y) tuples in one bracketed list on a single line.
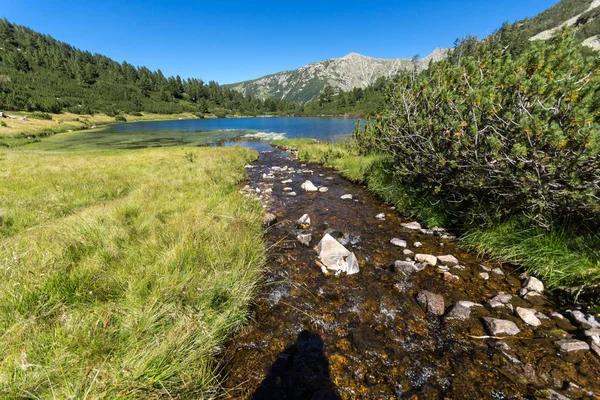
[(564, 259), (122, 272)]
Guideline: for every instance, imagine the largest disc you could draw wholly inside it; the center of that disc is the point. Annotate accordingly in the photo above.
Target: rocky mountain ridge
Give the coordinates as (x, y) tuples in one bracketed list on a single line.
[(351, 71)]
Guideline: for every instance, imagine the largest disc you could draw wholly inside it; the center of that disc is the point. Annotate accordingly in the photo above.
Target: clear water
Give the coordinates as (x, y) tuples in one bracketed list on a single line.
[(224, 132)]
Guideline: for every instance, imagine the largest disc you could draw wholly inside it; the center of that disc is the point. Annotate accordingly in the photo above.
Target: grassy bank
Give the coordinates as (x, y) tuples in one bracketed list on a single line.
[(565, 259), (122, 272)]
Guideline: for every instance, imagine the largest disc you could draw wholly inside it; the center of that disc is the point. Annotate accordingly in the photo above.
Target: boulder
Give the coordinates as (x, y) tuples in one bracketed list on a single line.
[(528, 316), (533, 284), (398, 242), (308, 186), (500, 327), (304, 238), (346, 197), (431, 302), (448, 260), (426, 258), (303, 222), (411, 225), (269, 219), (570, 345)]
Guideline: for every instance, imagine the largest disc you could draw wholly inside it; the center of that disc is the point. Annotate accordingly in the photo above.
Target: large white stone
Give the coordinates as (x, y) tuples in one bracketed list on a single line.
[(308, 186), (426, 258), (528, 316), (448, 260), (332, 253), (533, 284)]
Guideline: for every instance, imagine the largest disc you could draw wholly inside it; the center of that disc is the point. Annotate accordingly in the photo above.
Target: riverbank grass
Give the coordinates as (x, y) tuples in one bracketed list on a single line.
[(122, 273), (566, 258)]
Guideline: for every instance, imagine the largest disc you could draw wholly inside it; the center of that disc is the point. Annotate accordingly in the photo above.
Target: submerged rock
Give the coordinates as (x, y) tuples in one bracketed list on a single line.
[(418, 244), (498, 271), (304, 238), (346, 197), (352, 266), (500, 327), (292, 194), (398, 242), (461, 310), (323, 189), (448, 277), (336, 257), (408, 253), (405, 267), (380, 216), (431, 302), (484, 275)]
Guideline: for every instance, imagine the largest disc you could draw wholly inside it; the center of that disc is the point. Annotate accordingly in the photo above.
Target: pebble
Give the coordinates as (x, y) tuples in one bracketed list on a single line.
[(292, 194), (498, 271), (461, 310), (448, 277), (308, 186), (287, 189), (484, 275), (417, 244), (303, 222), (346, 197), (408, 252), (323, 189), (286, 181), (380, 216), (398, 242), (305, 238)]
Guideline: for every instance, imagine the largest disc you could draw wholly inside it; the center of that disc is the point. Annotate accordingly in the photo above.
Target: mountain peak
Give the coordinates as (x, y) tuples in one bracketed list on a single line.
[(353, 55)]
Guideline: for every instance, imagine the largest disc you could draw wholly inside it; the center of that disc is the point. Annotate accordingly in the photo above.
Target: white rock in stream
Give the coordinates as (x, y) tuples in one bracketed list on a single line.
[(398, 242), (426, 258), (304, 238), (308, 186), (323, 189), (336, 257), (411, 225), (346, 197), (528, 316), (380, 216), (304, 222), (448, 260)]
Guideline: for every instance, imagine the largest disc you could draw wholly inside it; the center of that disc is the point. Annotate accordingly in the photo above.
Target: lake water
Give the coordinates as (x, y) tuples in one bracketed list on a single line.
[(249, 132)]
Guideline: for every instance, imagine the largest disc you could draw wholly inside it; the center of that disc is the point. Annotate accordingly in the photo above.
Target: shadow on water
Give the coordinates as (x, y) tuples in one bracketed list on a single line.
[(301, 371)]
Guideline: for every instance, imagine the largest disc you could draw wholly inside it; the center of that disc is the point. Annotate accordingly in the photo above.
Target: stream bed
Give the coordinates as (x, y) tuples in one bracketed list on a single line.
[(382, 333)]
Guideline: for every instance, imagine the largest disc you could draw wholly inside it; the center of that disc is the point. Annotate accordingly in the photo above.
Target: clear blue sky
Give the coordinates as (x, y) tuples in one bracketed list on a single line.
[(231, 41)]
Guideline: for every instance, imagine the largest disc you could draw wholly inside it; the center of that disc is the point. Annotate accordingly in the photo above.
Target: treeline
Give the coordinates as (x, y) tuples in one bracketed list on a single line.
[(492, 133), (39, 73)]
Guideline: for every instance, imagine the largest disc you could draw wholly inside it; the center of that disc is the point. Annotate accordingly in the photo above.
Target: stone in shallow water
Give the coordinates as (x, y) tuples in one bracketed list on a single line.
[(484, 275), (570, 345), (408, 253), (323, 189), (448, 260), (380, 216), (584, 321), (398, 242), (448, 277), (461, 310), (287, 189), (405, 267), (426, 258), (498, 271), (418, 244), (308, 186), (286, 181), (411, 225), (528, 316), (292, 194), (533, 284), (304, 222), (500, 327), (431, 302), (269, 219), (352, 265), (304, 238), (346, 197)]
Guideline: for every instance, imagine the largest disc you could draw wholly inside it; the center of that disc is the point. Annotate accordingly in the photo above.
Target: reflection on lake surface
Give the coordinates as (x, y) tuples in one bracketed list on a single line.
[(248, 132)]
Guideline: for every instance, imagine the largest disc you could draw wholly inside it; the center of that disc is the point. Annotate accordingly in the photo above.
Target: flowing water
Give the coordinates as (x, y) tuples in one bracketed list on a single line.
[(365, 336)]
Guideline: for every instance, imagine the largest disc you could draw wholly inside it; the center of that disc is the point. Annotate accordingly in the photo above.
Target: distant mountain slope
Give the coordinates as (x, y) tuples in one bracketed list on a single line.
[(583, 15), (346, 73)]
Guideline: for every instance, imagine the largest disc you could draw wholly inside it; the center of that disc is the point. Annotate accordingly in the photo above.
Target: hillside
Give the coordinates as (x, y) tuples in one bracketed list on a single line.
[(582, 15), (39, 73), (352, 71)]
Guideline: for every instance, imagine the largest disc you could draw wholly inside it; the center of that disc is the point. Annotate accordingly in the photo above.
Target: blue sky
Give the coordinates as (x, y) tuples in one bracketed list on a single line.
[(230, 41)]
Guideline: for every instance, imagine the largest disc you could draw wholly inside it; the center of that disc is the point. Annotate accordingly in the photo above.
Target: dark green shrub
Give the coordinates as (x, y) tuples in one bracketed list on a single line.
[(496, 134), (41, 115), (135, 114), (2, 123), (120, 118)]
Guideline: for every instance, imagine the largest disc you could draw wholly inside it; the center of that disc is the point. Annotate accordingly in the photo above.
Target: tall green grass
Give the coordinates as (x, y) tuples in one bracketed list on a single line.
[(122, 273), (566, 258)]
